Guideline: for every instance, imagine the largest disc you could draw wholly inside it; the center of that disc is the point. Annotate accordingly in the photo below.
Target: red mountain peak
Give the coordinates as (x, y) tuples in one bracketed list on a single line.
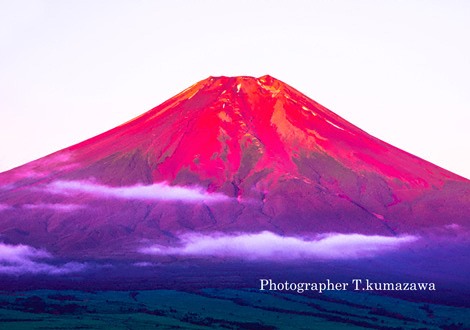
[(226, 128), (281, 161)]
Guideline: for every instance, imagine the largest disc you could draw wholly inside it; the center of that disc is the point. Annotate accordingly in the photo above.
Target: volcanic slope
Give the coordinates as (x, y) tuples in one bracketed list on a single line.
[(228, 154)]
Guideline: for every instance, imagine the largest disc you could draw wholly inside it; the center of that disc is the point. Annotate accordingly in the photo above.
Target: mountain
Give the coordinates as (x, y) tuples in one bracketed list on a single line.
[(227, 155)]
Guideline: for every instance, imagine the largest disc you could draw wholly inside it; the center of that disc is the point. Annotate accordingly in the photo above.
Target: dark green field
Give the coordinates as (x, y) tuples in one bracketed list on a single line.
[(220, 309)]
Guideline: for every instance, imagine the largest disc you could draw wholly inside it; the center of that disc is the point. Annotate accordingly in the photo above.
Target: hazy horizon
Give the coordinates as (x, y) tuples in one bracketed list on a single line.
[(399, 71)]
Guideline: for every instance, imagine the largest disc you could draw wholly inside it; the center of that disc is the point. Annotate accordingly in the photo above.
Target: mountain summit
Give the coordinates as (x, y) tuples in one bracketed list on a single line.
[(230, 155)]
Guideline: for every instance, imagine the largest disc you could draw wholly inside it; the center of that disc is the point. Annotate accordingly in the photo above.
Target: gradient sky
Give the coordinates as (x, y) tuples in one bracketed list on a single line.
[(400, 70)]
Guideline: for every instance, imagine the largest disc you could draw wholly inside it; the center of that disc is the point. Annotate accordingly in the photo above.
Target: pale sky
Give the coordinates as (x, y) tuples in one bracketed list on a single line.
[(399, 70)]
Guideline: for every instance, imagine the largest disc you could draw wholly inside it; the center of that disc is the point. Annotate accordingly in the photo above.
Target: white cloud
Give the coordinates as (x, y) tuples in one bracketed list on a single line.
[(453, 226), (158, 191), (143, 264), (54, 207), (267, 245), (24, 259), (4, 207)]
